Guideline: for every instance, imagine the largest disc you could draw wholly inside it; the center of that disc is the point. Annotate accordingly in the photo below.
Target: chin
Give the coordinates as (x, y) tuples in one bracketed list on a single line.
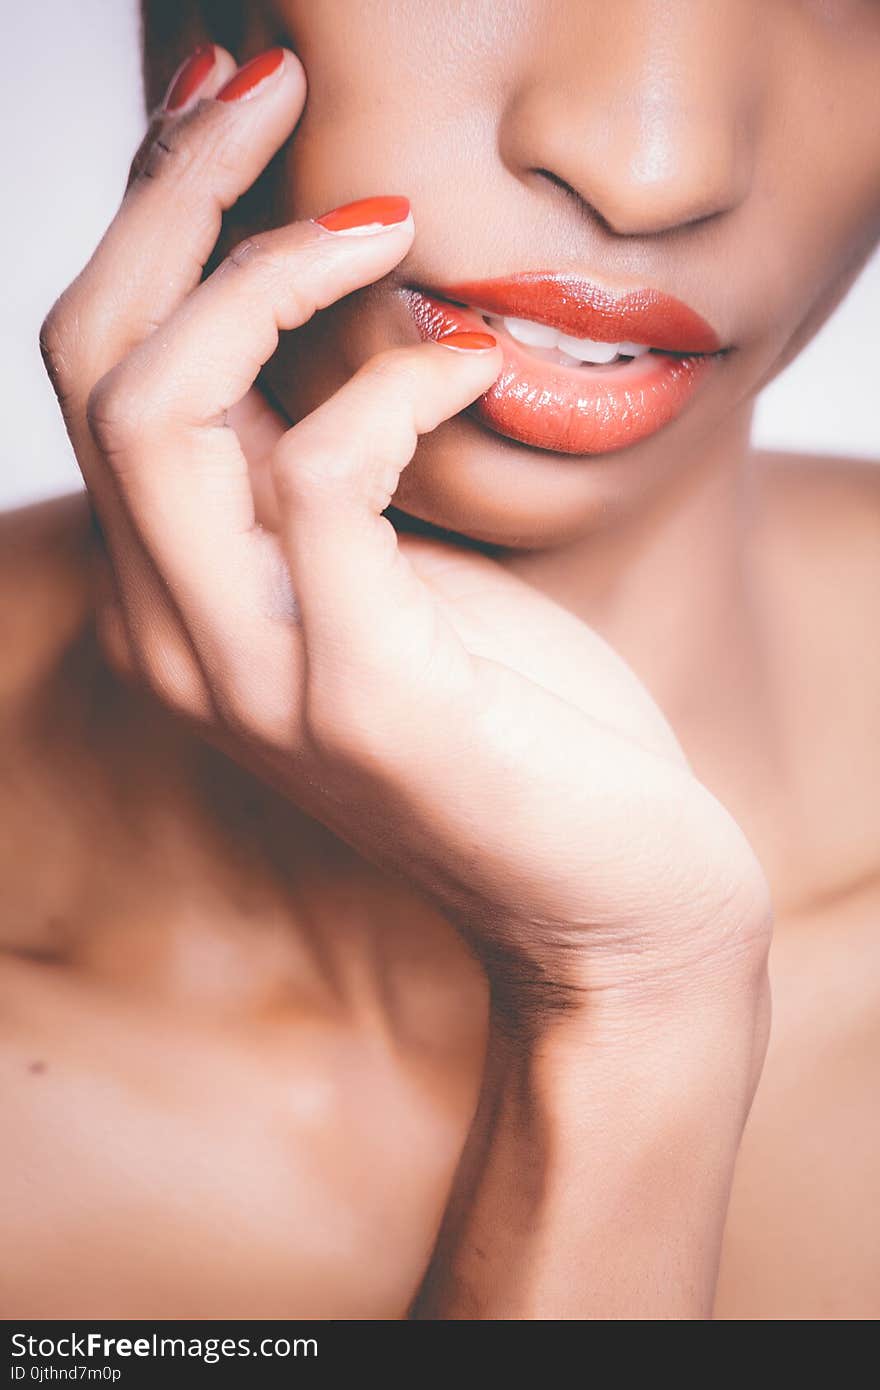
[(468, 477), (467, 480)]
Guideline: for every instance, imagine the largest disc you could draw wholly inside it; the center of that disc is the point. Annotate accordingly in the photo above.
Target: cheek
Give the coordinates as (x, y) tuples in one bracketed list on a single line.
[(393, 122), (813, 214), (814, 242), (368, 127), (841, 207), (335, 161), (390, 85)]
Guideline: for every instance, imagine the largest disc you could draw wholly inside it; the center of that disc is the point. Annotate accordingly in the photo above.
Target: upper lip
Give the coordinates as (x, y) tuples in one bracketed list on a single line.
[(576, 306)]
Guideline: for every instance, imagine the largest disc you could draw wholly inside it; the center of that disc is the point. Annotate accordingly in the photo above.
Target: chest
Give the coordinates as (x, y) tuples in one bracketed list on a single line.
[(168, 1163), (262, 1109), (237, 1067)]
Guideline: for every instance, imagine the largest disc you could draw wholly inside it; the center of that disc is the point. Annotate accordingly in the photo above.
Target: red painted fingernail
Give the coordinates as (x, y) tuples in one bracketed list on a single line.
[(242, 83), (190, 76), (469, 341), (366, 215)]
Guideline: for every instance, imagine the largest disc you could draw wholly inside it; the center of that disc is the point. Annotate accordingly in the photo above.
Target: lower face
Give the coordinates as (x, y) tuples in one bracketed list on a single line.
[(592, 418), (554, 448)]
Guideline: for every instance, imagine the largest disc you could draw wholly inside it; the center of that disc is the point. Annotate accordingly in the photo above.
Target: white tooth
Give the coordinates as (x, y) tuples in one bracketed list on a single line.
[(585, 350), (633, 349), (532, 334)]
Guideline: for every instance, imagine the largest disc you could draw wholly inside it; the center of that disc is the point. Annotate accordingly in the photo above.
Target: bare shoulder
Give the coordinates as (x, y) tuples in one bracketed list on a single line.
[(44, 587), (837, 499), (43, 529), (819, 528)]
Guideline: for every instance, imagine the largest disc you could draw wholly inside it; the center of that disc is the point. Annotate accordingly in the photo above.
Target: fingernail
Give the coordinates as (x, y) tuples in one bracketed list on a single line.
[(190, 76), (366, 215), (243, 83), (467, 341)]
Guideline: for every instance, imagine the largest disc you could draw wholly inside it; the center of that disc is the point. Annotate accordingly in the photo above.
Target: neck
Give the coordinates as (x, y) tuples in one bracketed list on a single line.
[(674, 590)]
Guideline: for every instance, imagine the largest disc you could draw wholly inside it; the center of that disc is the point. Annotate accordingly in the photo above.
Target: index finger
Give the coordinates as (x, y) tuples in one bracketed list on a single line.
[(192, 169)]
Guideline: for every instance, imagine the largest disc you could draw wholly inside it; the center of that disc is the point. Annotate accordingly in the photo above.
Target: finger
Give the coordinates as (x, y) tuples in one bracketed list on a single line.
[(194, 164), (366, 616), (159, 416), (197, 158), (200, 76), (211, 349), (141, 640), (202, 158)]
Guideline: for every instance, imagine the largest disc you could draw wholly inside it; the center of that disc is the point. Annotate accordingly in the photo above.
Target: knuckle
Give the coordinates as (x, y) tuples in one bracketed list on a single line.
[(254, 252), (136, 167), (261, 259), (371, 434), (113, 412), (223, 150), (298, 474), (268, 258), (187, 147), (309, 476), (58, 336), (163, 153), (398, 369), (310, 463), (392, 384), (52, 336)]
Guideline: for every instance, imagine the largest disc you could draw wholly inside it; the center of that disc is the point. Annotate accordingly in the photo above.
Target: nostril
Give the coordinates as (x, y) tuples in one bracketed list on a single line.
[(556, 181), (568, 191), (622, 222)]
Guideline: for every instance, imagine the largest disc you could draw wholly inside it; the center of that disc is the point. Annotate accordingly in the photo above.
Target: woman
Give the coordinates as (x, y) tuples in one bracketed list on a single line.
[(405, 756)]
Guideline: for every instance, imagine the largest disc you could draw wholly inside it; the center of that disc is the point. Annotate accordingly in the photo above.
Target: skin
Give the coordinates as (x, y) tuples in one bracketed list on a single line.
[(269, 903)]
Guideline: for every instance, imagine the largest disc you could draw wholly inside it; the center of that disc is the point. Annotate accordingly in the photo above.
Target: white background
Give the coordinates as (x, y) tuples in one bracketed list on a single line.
[(70, 112)]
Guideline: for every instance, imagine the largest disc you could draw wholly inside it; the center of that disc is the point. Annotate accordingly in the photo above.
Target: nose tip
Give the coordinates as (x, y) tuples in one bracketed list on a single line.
[(640, 171), (650, 117), (670, 172)]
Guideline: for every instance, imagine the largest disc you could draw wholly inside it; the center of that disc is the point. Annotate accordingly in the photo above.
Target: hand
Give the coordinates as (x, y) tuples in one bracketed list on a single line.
[(444, 718)]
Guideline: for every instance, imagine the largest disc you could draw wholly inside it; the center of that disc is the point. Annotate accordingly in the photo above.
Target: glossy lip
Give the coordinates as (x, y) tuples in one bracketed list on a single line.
[(574, 305), (577, 410)]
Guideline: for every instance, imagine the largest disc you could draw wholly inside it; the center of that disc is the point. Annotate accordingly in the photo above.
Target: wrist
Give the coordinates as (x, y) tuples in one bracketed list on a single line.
[(688, 1047), (596, 1177), (613, 987)]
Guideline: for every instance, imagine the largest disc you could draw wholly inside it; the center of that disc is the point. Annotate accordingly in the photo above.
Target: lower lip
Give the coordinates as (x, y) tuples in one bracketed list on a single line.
[(572, 410)]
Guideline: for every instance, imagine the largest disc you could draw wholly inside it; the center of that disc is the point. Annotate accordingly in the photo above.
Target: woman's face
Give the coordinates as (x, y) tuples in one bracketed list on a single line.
[(725, 154)]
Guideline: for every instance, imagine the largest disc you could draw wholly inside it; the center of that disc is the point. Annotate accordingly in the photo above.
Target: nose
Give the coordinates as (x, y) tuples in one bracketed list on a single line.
[(645, 109)]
